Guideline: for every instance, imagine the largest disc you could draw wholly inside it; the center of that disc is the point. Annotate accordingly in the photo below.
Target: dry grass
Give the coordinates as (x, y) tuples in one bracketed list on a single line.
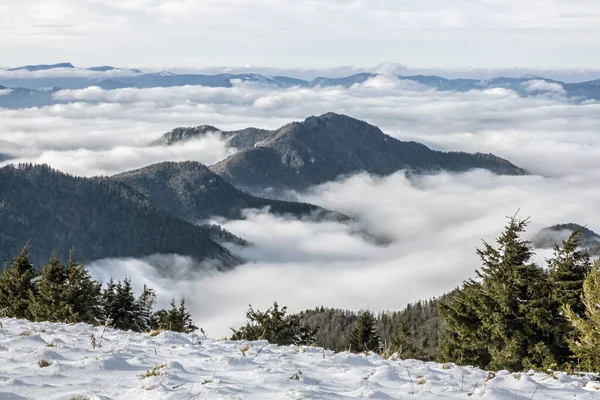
[(25, 333), (155, 371), (44, 363), (156, 332), (244, 350)]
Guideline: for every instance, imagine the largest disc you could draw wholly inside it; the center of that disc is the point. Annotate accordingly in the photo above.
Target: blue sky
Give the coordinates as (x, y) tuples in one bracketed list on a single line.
[(302, 33)]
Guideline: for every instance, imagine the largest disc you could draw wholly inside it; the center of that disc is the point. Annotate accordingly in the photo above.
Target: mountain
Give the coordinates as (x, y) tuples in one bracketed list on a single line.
[(345, 82), (4, 157), (191, 191), (320, 149), (19, 97), (555, 234), (96, 218), (42, 67), (241, 139)]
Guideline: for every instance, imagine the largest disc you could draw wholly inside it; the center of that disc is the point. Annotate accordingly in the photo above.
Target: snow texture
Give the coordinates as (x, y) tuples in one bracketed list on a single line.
[(187, 367)]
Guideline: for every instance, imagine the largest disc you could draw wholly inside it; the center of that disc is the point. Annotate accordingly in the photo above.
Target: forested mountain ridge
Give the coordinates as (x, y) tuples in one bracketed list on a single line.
[(321, 149), (53, 211), (191, 191), (553, 235)]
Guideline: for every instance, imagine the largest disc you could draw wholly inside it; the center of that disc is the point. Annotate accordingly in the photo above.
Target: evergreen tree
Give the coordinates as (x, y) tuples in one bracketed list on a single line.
[(146, 303), (83, 294), (177, 319), (364, 336), (508, 309), (586, 343), (275, 326), (121, 308), (17, 286), (568, 269), (49, 302), (464, 338)]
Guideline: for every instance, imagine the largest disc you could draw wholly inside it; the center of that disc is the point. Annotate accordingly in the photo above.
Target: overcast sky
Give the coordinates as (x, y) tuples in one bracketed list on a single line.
[(302, 33)]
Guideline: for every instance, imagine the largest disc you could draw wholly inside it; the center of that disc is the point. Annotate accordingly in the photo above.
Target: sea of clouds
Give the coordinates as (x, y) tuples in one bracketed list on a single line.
[(434, 222)]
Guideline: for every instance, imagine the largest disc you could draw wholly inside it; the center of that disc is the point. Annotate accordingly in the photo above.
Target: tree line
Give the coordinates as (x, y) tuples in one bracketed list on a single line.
[(59, 292)]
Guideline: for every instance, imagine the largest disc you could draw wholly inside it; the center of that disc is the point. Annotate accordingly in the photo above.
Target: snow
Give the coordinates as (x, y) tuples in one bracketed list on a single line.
[(187, 367)]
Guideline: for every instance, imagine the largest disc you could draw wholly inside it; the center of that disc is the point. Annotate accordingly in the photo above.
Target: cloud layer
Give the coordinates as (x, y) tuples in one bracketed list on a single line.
[(435, 222)]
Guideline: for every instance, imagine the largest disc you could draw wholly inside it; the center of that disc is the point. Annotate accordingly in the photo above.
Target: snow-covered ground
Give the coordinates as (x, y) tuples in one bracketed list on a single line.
[(188, 368)]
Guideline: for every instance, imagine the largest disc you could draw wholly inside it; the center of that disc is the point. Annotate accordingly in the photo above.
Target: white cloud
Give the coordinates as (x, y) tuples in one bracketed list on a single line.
[(435, 221), (4, 92), (543, 86)]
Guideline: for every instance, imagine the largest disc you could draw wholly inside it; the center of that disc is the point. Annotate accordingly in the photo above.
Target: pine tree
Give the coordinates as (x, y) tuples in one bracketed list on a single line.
[(49, 302), (464, 339), (121, 308), (146, 303), (17, 287), (176, 319), (364, 336), (83, 294), (275, 326), (567, 271), (508, 310), (586, 343)]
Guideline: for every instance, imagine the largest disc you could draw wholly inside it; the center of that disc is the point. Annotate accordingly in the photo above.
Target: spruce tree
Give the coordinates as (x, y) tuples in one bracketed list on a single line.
[(146, 303), (586, 342), (275, 326), (83, 294), (364, 336), (464, 340), (49, 302), (508, 309), (122, 311), (17, 287), (567, 271)]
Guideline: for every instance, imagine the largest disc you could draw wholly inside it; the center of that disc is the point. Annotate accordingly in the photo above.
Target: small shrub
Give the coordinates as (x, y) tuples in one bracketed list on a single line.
[(44, 363), (155, 371), (25, 333)]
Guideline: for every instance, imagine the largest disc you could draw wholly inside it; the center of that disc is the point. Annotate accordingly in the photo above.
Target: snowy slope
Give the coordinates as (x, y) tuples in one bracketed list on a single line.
[(209, 369)]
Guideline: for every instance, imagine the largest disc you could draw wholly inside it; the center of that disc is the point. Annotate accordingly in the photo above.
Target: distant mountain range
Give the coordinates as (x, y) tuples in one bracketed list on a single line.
[(555, 234), (32, 90), (321, 149)]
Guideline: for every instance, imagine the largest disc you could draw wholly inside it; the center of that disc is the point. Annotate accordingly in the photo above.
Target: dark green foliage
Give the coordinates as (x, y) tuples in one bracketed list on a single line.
[(17, 286), (48, 302), (586, 340), (511, 318), (463, 341), (275, 326), (413, 332), (96, 218), (121, 309), (567, 270), (66, 294), (177, 319), (83, 294), (363, 336)]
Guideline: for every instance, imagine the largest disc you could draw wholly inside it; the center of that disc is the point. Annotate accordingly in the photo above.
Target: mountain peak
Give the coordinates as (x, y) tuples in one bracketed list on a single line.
[(42, 67)]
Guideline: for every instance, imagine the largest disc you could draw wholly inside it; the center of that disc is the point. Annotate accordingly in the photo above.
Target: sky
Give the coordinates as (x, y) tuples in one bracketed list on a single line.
[(433, 223), (302, 33)]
